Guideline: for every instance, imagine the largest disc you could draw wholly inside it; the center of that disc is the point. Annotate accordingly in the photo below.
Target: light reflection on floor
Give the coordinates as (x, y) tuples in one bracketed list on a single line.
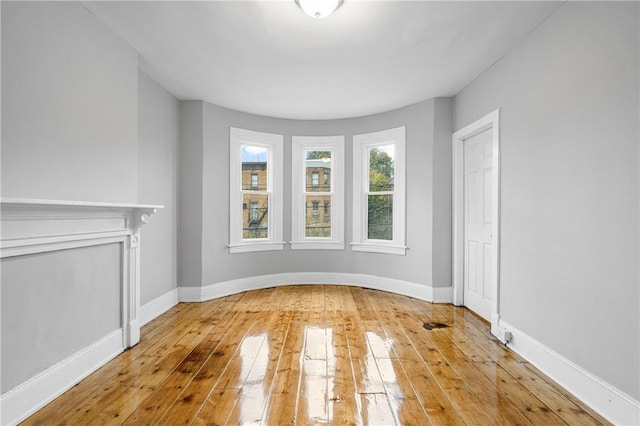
[(319, 364), (254, 353), (330, 356), (316, 376), (380, 353)]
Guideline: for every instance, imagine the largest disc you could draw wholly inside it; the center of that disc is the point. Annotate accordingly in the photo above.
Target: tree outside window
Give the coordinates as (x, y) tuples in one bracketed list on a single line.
[(380, 197)]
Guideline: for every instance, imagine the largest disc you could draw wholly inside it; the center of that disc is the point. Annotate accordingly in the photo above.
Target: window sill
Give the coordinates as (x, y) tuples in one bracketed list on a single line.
[(379, 248), (251, 247), (317, 245)]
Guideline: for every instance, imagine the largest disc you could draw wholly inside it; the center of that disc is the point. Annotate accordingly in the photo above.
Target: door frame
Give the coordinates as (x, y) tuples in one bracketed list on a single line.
[(490, 121)]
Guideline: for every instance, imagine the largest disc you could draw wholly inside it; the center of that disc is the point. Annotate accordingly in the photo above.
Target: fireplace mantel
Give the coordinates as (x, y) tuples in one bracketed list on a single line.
[(30, 226)]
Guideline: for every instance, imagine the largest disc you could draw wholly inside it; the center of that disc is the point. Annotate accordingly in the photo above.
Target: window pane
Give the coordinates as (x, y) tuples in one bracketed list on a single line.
[(318, 220), (254, 167), (380, 217), (381, 168), (255, 216), (317, 171)]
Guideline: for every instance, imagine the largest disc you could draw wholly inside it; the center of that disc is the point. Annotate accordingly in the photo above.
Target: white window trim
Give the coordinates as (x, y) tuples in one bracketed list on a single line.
[(361, 145), (300, 144), (274, 143)]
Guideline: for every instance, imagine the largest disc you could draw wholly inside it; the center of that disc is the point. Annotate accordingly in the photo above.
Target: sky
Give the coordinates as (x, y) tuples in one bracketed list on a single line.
[(253, 153)]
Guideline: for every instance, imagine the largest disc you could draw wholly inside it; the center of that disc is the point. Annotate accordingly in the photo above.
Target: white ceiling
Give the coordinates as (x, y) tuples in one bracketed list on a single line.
[(269, 58)]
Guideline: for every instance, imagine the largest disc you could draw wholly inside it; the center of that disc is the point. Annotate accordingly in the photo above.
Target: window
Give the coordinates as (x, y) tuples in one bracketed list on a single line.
[(256, 182), (254, 211), (315, 158), (379, 192)]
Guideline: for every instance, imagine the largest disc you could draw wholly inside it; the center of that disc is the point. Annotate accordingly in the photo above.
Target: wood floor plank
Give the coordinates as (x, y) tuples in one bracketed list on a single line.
[(434, 400), (224, 400), (284, 393), (314, 354), (552, 404), (313, 393), (342, 395), (435, 403), (565, 405), (313, 406), (257, 386), (215, 325), (347, 304), (355, 334), (229, 369), (188, 403), (467, 403), (367, 376), (74, 402), (406, 406), (555, 402), (332, 300), (527, 403), (376, 409), (365, 311), (157, 404), (132, 390), (285, 389), (500, 407)]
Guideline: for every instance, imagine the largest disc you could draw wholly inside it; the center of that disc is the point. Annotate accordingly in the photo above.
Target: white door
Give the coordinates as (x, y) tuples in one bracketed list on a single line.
[(478, 181)]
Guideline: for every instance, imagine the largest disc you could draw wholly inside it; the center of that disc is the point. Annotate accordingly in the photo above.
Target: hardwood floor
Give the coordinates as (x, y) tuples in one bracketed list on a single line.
[(316, 355)]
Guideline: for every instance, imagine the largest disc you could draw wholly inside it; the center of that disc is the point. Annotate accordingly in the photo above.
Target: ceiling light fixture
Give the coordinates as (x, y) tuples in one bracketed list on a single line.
[(319, 8)]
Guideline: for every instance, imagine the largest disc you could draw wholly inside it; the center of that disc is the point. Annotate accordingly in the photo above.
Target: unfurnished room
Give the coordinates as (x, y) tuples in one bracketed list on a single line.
[(320, 212)]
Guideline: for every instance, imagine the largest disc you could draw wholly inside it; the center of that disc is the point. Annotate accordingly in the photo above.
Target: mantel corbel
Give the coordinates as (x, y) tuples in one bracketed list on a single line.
[(142, 216)]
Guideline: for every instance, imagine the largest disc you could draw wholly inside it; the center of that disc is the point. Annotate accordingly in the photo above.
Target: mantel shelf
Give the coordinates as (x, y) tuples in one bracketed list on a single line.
[(69, 203)]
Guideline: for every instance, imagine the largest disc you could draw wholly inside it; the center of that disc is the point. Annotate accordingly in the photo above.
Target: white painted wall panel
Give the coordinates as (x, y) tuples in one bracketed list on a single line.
[(54, 304)]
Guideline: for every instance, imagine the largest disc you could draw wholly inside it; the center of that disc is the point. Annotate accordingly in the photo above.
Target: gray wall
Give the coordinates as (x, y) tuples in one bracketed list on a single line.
[(157, 184), (212, 146), (190, 195), (39, 326), (442, 169), (569, 138), (69, 105), (77, 126)]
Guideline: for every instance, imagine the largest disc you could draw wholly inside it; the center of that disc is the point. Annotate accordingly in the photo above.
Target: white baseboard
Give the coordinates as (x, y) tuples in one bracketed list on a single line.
[(225, 288), (158, 306), (28, 397), (613, 404)]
